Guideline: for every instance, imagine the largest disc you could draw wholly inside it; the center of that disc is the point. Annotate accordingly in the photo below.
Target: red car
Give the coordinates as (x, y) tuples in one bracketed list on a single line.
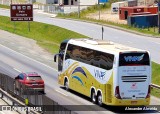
[(30, 79)]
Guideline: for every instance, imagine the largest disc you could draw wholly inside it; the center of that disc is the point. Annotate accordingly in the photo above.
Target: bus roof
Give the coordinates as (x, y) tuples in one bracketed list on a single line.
[(102, 45)]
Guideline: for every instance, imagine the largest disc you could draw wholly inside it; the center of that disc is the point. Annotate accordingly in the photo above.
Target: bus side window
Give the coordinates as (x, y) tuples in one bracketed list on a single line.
[(94, 59), (106, 61), (89, 56), (69, 53)]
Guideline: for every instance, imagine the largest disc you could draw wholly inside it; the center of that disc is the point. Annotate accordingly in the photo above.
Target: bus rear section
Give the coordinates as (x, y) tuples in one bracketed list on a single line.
[(134, 79)]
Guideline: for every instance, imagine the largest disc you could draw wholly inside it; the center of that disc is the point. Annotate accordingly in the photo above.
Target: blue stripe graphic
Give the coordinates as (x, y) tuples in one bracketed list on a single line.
[(77, 78)]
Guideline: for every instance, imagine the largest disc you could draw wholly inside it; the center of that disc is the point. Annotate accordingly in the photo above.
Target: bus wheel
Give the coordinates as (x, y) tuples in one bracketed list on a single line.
[(66, 84), (99, 99), (93, 96)]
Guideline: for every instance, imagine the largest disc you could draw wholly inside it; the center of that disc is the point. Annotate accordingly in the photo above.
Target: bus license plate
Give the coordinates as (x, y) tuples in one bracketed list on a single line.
[(133, 102)]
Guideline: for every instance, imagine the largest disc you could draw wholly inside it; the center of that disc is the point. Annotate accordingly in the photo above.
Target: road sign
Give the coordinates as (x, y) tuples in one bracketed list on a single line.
[(21, 12)]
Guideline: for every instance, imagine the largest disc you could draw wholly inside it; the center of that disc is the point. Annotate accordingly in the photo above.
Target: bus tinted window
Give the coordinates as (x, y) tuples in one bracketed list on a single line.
[(89, 56), (131, 59)]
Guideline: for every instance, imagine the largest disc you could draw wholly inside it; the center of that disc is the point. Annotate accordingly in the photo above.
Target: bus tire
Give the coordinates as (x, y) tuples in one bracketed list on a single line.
[(66, 84), (93, 97), (99, 99)]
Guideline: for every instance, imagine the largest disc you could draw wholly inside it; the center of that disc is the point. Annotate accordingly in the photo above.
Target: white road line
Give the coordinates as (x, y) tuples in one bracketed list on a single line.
[(17, 70), (129, 42), (61, 92), (28, 57)]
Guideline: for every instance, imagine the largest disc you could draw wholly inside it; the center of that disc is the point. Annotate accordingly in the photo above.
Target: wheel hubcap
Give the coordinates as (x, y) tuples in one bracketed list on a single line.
[(66, 85), (93, 97), (100, 99)]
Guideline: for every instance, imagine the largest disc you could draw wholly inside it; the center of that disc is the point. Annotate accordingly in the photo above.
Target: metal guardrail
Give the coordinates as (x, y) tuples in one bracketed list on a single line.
[(14, 100), (155, 86), (35, 98)]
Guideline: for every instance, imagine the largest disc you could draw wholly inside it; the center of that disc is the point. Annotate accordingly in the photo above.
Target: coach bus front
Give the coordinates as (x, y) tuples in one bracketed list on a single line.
[(134, 78)]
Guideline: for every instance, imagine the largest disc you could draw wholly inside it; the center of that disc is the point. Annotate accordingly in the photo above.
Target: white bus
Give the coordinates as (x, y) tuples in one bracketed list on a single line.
[(107, 72)]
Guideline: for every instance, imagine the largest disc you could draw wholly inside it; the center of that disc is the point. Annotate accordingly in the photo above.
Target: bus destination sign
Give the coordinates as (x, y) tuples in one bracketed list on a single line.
[(21, 12)]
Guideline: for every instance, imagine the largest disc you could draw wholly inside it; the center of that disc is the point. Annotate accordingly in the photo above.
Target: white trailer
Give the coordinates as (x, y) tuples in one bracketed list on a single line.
[(115, 6)]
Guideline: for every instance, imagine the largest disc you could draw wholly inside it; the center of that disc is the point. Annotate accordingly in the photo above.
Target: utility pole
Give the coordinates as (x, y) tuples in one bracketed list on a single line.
[(102, 32), (78, 8), (99, 8)]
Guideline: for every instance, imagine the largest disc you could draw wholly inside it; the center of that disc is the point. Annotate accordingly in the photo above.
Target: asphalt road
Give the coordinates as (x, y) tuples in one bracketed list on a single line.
[(94, 31), (13, 63)]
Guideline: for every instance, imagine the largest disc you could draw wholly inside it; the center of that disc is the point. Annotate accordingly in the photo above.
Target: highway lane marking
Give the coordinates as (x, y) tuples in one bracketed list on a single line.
[(28, 57), (129, 42), (17, 70), (61, 92)]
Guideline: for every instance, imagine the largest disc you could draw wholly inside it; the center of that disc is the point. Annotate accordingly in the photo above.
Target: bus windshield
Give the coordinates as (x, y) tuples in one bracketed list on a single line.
[(134, 59)]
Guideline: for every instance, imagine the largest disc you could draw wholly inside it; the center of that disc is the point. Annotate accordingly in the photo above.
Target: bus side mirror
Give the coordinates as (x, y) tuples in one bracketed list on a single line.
[(16, 77), (55, 57)]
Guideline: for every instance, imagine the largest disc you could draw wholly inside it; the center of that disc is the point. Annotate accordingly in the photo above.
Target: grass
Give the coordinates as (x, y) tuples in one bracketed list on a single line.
[(155, 78), (150, 31), (93, 9), (83, 13), (47, 36), (155, 73), (155, 92), (4, 6)]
